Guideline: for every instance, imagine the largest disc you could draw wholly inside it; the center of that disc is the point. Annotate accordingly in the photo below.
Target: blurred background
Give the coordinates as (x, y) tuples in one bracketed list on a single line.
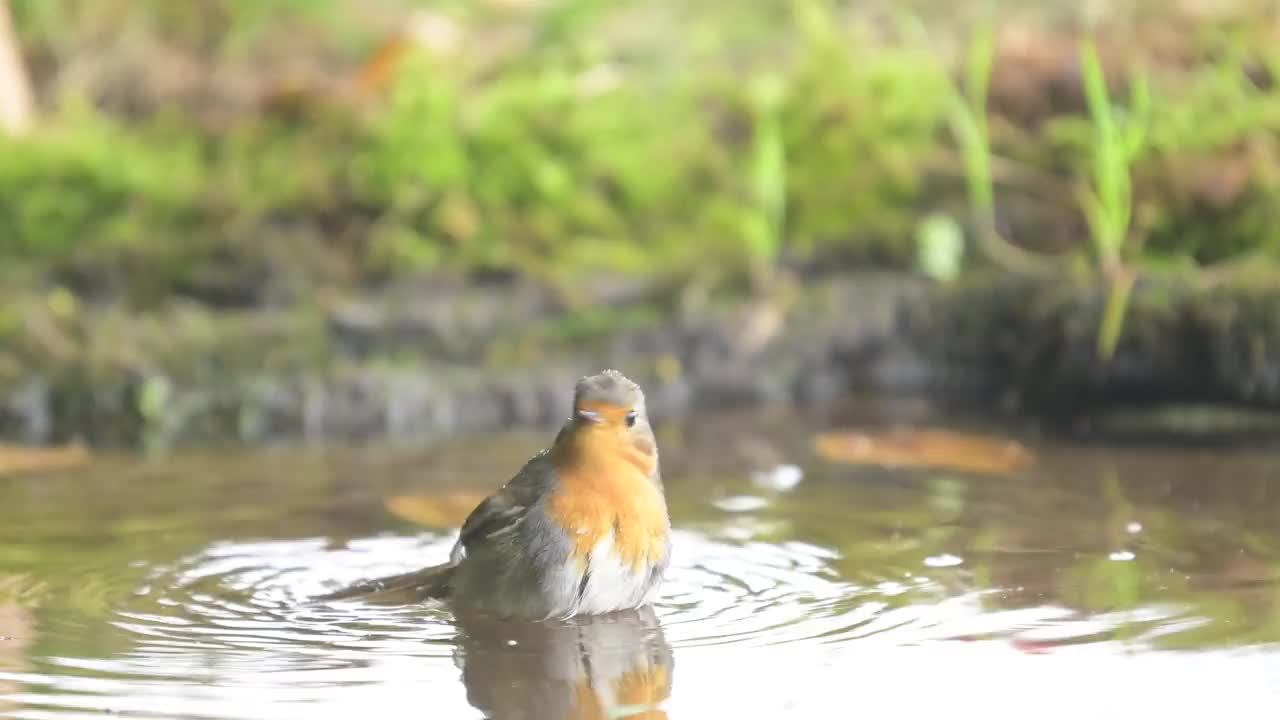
[(960, 323), (245, 220)]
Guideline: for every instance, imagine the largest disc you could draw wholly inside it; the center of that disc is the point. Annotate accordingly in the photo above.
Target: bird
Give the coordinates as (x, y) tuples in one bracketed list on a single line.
[(582, 529), (600, 666)]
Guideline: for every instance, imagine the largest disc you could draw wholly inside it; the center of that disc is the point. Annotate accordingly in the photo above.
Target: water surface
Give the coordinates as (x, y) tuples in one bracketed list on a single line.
[(1099, 582)]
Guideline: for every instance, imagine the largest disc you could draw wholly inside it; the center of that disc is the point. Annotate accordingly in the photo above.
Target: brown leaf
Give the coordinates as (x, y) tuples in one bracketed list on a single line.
[(438, 511), (924, 448), (377, 72), (15, 459)]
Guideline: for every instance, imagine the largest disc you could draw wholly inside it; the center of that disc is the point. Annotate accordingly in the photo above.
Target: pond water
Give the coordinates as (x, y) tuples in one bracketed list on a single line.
[(1097, 582)]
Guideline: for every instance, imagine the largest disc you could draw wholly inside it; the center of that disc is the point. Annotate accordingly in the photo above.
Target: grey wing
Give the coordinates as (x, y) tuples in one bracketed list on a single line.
[(503, 511)]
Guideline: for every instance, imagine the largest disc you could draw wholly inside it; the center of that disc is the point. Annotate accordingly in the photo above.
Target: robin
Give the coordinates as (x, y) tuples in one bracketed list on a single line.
[(586, 668), (582, 529)]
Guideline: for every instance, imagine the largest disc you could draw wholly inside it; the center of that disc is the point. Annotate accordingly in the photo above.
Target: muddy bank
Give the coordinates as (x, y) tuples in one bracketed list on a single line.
[(415, 362), (1184, 341), (421, 361)]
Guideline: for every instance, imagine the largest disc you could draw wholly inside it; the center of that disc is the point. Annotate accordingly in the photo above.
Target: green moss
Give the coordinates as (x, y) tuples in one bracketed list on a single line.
[(615, 138)]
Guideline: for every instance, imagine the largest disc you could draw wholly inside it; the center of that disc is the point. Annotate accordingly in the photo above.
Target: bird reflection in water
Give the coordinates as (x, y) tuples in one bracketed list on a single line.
[(607, 666)]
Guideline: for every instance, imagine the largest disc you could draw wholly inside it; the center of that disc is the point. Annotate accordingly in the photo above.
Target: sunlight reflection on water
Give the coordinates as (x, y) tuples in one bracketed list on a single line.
[(848, 593)]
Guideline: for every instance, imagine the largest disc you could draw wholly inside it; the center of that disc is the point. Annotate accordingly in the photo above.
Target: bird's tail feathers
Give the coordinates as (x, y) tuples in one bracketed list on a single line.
[(427, 583)]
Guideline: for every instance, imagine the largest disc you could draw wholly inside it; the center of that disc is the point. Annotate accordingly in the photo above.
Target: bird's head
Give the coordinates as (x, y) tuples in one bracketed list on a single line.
[(609, 405)]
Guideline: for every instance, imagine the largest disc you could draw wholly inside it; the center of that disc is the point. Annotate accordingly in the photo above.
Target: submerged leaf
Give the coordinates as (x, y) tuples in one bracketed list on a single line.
[(16, 459), (924, 448), (438, 511)]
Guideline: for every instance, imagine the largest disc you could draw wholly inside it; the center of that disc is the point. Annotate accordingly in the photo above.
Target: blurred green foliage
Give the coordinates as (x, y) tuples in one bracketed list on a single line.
[(578, 137)]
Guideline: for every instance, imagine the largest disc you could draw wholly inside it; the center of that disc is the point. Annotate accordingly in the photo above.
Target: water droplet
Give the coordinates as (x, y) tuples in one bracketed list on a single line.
[(1121, 556), (944, 560), (741, 503), (780, 477), (1133, 528), (512, 643)]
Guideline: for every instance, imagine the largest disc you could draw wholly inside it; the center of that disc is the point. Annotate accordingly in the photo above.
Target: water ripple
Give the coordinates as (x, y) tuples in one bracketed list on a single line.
[(235, 615), (251, 597)]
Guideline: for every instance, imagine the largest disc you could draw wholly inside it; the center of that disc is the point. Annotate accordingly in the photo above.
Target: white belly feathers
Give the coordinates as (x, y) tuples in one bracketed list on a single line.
[(610, 584)]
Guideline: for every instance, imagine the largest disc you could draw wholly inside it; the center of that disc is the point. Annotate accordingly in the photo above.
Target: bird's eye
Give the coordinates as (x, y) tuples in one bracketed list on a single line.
[(631, 419)]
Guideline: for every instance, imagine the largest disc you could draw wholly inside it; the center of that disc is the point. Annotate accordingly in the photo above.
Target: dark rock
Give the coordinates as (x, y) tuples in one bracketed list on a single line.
[(25, 413), (415, 363)]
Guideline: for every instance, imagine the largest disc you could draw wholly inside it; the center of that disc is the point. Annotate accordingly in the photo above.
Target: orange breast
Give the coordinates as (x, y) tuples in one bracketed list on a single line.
[(605, 487), (640, 687)]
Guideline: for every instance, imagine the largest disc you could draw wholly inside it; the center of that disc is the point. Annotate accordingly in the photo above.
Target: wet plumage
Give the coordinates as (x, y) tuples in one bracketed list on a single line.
[(582, 528)]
